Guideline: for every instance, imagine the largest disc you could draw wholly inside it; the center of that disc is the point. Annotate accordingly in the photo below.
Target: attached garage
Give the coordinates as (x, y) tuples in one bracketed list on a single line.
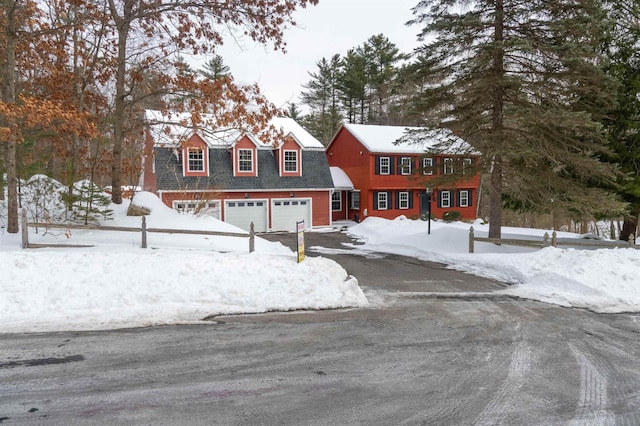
[(242, 213), (285, 213)]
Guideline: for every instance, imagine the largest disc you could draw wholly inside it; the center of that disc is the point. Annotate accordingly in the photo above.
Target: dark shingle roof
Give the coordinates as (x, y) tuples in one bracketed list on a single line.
[(315, 173)]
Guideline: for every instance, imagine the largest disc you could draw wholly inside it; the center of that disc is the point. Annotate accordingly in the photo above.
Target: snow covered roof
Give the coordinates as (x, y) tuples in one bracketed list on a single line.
[(340, 178), (170, 129), (289, 126), (414, 140)]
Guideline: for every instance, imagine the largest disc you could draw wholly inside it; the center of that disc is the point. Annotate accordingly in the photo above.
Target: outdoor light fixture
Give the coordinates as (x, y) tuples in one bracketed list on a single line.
[(246, 195), (293, 195)]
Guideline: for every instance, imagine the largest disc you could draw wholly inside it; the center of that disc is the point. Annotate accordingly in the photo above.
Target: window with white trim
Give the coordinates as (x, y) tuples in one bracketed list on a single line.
[(291, 161), (403, 200), (405, 164), (336, 201), (245, 160), (382, 201), (195, 160), (427, 166), (445, 199), (385, 167), (355, 200), (447, 166), (463, 198)]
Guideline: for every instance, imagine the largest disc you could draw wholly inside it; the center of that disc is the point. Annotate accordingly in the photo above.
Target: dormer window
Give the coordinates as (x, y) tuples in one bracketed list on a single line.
[(195, 161), (291, 161), (245, 160)]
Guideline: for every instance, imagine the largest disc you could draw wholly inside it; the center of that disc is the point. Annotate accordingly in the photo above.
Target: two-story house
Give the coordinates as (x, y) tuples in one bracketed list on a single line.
[(392, 179), (237, 177)]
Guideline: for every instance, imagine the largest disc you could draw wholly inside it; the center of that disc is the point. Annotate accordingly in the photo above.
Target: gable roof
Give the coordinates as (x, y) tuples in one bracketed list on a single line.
[(416, 140), (172, 128)]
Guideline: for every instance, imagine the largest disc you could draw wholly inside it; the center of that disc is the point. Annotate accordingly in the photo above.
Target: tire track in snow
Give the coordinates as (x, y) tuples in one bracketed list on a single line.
[(504, 399), (592, 398)]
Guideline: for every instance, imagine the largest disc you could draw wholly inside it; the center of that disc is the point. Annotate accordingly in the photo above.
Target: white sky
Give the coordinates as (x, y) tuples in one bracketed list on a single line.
[(332, 26), (182, 279)]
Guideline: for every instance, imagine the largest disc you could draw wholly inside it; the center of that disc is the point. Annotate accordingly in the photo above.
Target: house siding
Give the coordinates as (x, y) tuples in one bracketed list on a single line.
[(363, 168)]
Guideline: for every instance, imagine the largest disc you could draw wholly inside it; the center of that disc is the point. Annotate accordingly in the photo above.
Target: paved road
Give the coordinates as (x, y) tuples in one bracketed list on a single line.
[(408, 360)]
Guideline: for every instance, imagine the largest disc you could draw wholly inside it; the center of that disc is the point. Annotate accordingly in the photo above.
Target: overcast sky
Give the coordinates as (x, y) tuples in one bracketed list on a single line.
[(332, 26)]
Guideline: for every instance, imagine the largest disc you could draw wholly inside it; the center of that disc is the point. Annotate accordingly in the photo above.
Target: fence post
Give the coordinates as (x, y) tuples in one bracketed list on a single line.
[(25, 229), (631, 240), (545, 240), (554, 239), (144, 232), (252, 238), (471, 239)]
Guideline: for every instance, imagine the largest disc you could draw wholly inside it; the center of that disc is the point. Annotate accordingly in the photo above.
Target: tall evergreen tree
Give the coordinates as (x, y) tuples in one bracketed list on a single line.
[(522, 82), (381, 58), (322, 97), (353, 86), (622, 47)]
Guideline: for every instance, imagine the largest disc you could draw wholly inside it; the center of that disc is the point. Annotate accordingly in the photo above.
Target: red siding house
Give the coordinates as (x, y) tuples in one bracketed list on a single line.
[(391, 179), (236, 177)]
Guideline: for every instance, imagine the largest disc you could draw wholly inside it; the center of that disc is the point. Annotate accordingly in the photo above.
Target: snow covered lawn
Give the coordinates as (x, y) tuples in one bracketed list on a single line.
[(184, 278), (179, 280)]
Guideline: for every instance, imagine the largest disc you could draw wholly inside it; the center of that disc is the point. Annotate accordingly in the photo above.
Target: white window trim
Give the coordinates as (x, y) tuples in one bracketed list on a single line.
[(427, 166), (338, 200), (240, 159), (405, 166), (404, 201), (447, 166), (382, 198), (190, 206), (448, 199), (387, 166), (284, 161), (464, 195), (201, 151)]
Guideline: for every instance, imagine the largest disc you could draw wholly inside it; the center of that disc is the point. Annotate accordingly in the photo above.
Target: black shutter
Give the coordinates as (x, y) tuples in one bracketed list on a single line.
[(397, 200), (410, 199), (375, 200), (389, 200), (413, 165), (469, 192), (392, 161), (439, 199), (377, 165), (457, 201)]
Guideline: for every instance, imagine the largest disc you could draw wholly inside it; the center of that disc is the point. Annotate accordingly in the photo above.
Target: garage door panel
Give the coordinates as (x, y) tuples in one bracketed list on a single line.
[(242, 213), (285, 214)]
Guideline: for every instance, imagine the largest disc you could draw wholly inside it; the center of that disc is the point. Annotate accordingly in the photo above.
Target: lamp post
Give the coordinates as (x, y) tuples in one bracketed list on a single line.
[(428, 210)]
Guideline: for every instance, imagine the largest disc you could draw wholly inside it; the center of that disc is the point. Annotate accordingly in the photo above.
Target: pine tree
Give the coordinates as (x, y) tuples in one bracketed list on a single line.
[(522, 83), (622, 47), (353, 86), (381, 57), (321, 96)]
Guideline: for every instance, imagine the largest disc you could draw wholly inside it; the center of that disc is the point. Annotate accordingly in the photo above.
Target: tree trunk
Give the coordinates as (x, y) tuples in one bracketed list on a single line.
[(124, 24), (497, 125), (630, 226), (9, 97), (495, 199)]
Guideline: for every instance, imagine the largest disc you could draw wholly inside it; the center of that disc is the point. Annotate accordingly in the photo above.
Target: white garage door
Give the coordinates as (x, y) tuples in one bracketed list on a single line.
[(242, 213), (285, 213)]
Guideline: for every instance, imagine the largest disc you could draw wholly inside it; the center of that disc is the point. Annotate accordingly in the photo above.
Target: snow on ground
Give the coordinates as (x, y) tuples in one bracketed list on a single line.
[(184, 278), (179, 279), (603, 280)]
